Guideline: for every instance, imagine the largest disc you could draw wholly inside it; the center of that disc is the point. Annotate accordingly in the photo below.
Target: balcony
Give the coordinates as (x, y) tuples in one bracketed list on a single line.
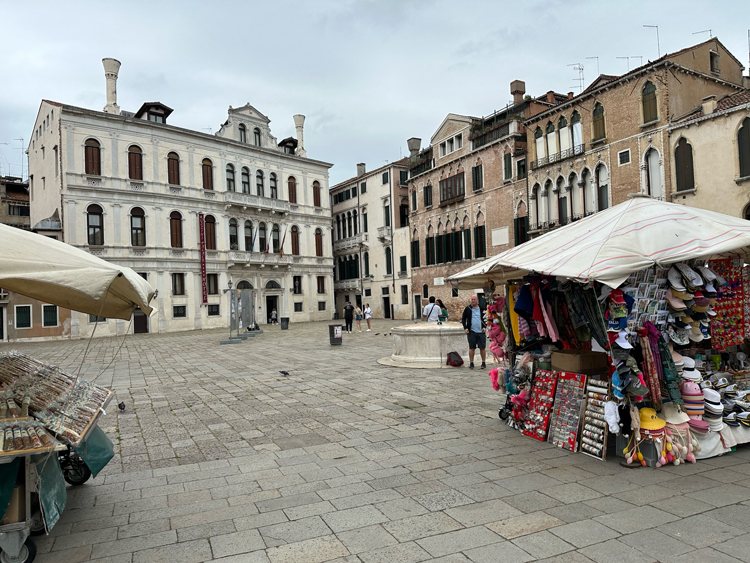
[(384, 233), (343, 285), (259, 259), (403, 274), (558, 156), (350, 242), (258, 202)]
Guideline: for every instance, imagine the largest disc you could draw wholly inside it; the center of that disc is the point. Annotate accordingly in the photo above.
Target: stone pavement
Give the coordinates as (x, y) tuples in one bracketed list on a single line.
[(222, 458)]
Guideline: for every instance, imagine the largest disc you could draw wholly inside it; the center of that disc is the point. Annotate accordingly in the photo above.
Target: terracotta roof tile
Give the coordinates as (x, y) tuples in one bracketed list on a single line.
[(734, 100)]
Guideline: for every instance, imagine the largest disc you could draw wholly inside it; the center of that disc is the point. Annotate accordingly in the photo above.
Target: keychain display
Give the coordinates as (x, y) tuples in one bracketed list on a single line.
[(566, 412), (540, 405), (594, 433)]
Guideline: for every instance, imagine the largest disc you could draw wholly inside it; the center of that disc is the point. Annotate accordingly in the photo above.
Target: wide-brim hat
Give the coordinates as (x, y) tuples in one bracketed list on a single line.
[(695, 337), (649, 420), (688, 362), (698, 424), (672, 415), (712, 396), (677, 359), (692, 375)]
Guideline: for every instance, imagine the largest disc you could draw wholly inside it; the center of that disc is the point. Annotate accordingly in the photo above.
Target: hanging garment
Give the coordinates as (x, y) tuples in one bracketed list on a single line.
[(549, 320), (512, 292), (650, 374), (653, 337), (671, 377)]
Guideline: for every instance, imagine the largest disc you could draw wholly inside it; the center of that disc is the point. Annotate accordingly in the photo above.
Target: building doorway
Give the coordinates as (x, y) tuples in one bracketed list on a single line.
[(358, 299), (386, 307), (2, 323), (272, 302), (417, 306), (140, 322)]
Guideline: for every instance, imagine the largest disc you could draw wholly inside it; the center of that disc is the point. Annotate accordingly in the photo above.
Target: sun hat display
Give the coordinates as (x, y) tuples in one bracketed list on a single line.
[(695, 337), (672, 415), (675, 279), (675, 302), (721, 383), (707, 273), (688, 362), (692, 375), (649, 420), (698, 424), (677, 358), (677, 335)]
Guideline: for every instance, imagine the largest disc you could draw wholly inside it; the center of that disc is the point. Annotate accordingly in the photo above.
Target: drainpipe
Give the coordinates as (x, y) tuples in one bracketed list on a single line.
[(393, 229), (359, 246)]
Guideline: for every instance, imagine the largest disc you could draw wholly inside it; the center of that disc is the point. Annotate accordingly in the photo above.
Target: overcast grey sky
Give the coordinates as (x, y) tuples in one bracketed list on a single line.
[(368, 74)]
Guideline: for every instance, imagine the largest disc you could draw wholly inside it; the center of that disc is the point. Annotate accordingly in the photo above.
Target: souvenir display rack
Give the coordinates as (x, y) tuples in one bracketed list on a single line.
[(566, 412), (595, 431), (540, 405)]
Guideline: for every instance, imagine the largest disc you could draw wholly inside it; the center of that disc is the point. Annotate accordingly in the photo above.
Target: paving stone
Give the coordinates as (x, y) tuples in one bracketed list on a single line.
[(73, 555), (401, 508), (571, 492), (701, 531), (296, 531), (195, 551), (402, 553), (574, 512), (238, 542), (542, 544), (503, 551), (736, 547), (129, 545), (460, 540), (442, 500), (636, 519), (682, 506), (359, 517), (205, 530), (533, 501), (721, 495), (316, 550), (417, 527), (656, 544), (70, 541), (584, 533), (614, 550), (524, 524), (368, 538), (705, 555)]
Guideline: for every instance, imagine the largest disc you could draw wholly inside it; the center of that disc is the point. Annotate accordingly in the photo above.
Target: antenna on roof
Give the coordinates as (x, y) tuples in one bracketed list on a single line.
[(709, 31), (627, 59), (579, 68), (21, 139), (640, 60), (597, 64), (658, 46)]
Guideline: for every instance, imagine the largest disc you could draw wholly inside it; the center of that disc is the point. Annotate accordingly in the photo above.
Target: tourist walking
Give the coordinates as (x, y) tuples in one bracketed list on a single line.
[(273, 317), (475, 328), (368, 316), (358, 317), (431, 311), (348, 316), (443, 311)]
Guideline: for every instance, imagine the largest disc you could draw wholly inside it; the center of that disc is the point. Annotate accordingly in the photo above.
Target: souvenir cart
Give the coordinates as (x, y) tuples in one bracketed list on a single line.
[(48, 418), (633, 319)]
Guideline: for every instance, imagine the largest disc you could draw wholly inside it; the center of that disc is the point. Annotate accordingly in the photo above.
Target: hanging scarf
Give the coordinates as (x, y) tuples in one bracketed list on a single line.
[(649, 369), (671, 377)]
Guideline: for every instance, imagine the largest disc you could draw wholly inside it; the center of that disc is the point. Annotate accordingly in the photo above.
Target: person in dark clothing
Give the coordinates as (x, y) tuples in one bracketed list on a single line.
[(349, 316), (475, 328)]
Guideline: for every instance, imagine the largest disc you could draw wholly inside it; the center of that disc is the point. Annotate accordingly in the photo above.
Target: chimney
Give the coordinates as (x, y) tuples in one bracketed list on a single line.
[(709, 104), (551, 97), (299, 122), (570, 95), (517, 89), (414, 145), (111, 68), (360, 169)]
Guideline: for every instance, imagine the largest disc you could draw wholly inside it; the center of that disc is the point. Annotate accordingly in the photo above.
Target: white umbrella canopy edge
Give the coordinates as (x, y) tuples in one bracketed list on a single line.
[(608, 246), (60, 274)]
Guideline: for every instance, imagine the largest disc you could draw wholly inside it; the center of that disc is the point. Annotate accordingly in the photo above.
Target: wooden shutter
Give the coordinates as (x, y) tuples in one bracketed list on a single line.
[(743, 143)]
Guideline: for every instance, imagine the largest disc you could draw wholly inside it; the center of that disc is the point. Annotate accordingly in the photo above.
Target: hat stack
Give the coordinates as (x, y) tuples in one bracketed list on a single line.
[(713, 409), (690, 301), (651, 425), (693, 399), (689, 372)]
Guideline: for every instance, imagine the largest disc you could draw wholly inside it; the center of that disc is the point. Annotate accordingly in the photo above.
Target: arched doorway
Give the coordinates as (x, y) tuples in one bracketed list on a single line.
[(273, 296), (246, 305)]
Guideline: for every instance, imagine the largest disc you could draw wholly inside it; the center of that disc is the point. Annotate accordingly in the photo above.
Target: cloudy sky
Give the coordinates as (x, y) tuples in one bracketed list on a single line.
[(368, 74)]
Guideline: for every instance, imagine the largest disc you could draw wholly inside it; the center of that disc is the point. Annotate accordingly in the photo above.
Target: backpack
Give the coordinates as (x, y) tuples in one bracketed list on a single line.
[(454, 360)]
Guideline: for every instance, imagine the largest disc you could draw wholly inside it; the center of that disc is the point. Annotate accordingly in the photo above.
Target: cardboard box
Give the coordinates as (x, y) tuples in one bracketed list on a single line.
[(17, 508), (585, 362)]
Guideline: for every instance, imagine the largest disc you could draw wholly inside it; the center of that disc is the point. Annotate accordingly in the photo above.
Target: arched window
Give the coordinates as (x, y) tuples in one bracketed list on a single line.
[(295, 240), (230, 178), (316, 193), (244, 285), (273, 285), (349, 223), (539, 144), (551, 202), (388, 261), (683, 158), (575, 121), (248, 236), (648, 99), (233, 237), (415, 257), (602, 187), (367, 263), (95, 225), (135, 162), (93, 157), (256, 137), (575, 196), (207, 171), (480, 238), (564, 132), (262, 246), (259, 183), (652, 179), (466, 230), (429, 247), (175, 229), (318, 242), (551, 142), (137, 227), (562, 202), (173, 169), (292, 186), (245, 180), (243, 133), (598, 114), (536, 202), (275, 240), (354, 221), (210, 232), (589, 197), (272, 184), (425, 291), (338, 227), (743, 145)]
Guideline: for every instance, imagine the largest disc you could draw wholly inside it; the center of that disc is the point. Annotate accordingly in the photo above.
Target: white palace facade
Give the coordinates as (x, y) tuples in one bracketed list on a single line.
[(166, 201)]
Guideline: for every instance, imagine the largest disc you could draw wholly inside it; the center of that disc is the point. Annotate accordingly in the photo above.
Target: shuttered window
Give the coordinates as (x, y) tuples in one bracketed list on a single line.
[(648, 98), (318, 242), (683, 157), (173, 169), (175, 229), (207, 170), (292, 187), (135, 163), (210, 232), (428, 196), (480, 250), (93, 157), (316, 194), (599, 132), (415, 254), (743, 143), (467, 243), (477, 180), (508, 165)]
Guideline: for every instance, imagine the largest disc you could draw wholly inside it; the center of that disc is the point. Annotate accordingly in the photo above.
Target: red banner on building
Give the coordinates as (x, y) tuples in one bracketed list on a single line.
[(202, 246)]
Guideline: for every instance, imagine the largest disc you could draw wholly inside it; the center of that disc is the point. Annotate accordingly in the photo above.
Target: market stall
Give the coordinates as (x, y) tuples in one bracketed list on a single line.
[(48, 418), (627, 323)]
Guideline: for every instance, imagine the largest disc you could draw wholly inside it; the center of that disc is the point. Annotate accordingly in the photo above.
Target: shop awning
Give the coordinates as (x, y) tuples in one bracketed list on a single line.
[(608, 246), (60, 274)]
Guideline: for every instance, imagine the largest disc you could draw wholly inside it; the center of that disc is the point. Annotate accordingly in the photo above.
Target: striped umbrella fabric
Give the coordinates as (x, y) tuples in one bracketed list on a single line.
[(610, 245)]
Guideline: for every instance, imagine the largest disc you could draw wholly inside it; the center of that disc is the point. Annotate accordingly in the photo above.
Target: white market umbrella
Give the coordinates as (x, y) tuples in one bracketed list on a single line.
[(610, 245), (58, 273)]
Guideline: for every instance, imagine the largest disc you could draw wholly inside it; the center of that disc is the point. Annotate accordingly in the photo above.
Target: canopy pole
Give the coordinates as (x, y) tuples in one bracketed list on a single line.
[(88, 345)]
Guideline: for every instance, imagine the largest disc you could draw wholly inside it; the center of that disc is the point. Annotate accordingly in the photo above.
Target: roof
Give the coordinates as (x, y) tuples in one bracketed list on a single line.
[(734, 100), (724, 105), (16, 196), (403, 162), (148, 105)]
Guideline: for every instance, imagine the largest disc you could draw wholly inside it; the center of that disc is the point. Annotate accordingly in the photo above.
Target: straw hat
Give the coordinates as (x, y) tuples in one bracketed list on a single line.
[(649, 420)]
